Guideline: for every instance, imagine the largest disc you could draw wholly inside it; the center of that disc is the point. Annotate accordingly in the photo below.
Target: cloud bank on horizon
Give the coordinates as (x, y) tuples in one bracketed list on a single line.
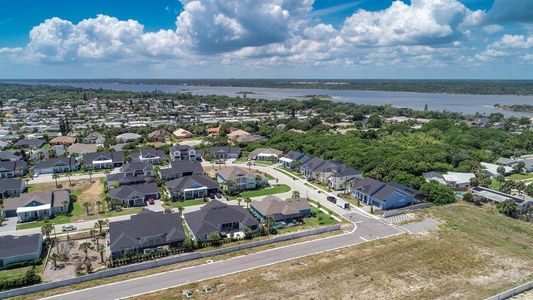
[(287, 38)]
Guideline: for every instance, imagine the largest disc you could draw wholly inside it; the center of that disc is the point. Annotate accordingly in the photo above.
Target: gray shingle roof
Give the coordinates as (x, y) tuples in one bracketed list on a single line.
[(19, 245), (114, 156), (147, 229), (34, 143), (10, 184), (54, 198), (51, 162), (191, 182), (272, 205), (129, 191), (209, 218), (10, 166)]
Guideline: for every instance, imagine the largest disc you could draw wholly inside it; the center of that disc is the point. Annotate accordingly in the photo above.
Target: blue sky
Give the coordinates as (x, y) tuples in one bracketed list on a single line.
[(266, 39)]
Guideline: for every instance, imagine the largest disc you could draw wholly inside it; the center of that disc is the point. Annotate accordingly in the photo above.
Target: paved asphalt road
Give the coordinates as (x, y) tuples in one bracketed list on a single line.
[(366, 229)]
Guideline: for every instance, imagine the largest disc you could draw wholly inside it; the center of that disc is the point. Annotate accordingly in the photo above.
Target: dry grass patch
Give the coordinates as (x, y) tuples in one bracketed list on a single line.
[(475, 254)]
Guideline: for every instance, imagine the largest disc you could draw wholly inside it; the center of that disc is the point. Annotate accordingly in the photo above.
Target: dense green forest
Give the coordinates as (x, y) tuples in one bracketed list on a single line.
[(481, 87), (397, 153)]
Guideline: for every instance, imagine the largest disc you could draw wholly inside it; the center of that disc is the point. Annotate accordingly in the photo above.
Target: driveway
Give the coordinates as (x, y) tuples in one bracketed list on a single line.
[(10, 224)]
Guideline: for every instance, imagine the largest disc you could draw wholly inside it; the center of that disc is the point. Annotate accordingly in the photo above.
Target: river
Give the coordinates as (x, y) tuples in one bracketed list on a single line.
[(467, 104)]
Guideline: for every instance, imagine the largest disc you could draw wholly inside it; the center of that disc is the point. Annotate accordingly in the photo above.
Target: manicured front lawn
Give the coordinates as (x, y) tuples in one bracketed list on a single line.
[(56, 220), (291, 174), (270, 190), (176, 204), (14, 273), (264, 163)]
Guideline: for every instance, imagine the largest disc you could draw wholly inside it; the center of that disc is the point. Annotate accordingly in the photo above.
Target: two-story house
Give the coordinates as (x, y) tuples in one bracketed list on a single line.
[(103, 160), (184, 152), (240, 179)]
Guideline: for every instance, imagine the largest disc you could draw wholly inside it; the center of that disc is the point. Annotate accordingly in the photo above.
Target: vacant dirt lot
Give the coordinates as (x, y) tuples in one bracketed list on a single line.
[(475, 254)]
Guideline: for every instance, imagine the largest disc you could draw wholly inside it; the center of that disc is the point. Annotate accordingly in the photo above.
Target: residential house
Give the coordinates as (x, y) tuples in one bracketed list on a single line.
[(9, 156), (528, 165), (55, 165), (12, 187), (504, 161), (159, 136), (9, 169), (265, 154), (146, 232), (127, 137), (181, 133), (63, 140), (291, 160), (192, 187), (150, 155), (48, 152), (383, 195), (237, 133), (29, 144), (80, 149), (492, 169), (181, 168), (312, 164), (455, 180), (132, 173), (225, 152), (34, 206), (135, 194), (279, 210), (487, 195), (241, 178), (103, 160), (14, 249), (220, 218), (95, 138), (184, 152), (340, 175), (322, 173)]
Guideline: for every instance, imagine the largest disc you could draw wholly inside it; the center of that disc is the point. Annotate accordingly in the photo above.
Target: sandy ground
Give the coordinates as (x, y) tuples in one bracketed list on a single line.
[(66, 270), (473, 255)]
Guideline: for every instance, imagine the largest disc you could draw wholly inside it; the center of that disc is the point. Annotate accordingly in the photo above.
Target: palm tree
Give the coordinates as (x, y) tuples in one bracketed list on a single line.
[(87, 205), (239, 200), (101, 249), (100, 224), (85, 247), (107, 200), (268, 225), (180, 210), (54, 257), (249, 164), (99, 205), (247, 200), (500, 170), (69, 181), (47, 229), (295, 194), (230, 186), (91, 175), (55, 177)]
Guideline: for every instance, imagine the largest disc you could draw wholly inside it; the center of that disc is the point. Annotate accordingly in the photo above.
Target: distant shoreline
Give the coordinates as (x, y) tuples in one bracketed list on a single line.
[(456, 87)]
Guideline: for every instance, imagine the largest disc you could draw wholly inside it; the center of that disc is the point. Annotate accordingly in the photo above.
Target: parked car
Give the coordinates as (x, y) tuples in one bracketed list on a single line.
[(332, 199), (151, 201), (67, 228), (212, 197)]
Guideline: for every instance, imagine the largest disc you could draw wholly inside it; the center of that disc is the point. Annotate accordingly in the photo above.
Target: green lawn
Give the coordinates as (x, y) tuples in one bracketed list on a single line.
[(14, 273), (291, 174), (176, 204), (270, 190), (56, 220), (264, 163), (319, 219), (495, 184), (521, 176)]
